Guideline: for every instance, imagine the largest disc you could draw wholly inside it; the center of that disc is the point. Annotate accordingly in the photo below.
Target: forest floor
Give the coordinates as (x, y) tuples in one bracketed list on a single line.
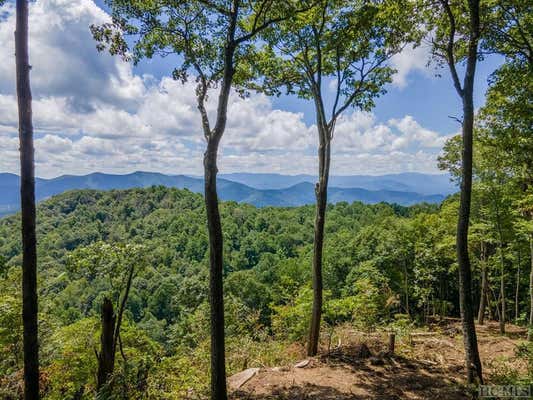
[(428, 364)]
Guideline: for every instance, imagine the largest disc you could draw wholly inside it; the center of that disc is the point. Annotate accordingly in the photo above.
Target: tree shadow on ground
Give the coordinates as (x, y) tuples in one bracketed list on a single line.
[(396, 379)]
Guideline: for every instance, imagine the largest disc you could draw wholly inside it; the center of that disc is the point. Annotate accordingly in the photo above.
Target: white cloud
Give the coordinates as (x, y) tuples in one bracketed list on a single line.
[(408, 60), (413, 132), (93, 113)]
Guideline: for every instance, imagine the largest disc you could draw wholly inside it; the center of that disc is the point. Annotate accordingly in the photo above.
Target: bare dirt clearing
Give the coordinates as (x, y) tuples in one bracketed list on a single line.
[(426, 365)]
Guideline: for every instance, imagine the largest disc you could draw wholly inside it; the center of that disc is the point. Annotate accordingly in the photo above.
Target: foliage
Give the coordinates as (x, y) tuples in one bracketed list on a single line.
[(380, 260)]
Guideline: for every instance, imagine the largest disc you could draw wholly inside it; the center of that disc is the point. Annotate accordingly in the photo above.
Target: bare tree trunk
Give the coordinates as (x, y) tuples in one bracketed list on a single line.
[(122, 307), (214, 225), (517, 290), (466, 92), (321, 193), (106, 357), (218, 367), (484, 287), (28, 215), (110, 336), (530, 330), (473, 361), (502, 292), (406, 288), (489, 307), (497, 301)]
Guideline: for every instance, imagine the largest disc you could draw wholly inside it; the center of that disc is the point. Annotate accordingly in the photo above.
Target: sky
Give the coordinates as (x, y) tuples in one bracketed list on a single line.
[(96, 113)]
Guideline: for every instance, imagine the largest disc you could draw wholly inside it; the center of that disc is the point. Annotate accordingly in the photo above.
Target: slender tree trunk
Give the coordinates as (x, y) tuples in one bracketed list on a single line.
[(321, 193), (490, 312), (498, 310), (530, 330), (473, 361), (106, 357), (218, 366), (503, 313), (122, 307), (406, 287), (484, 287), (214, 225), (517, 289), (27, 196), (466, 92), (502, 296)]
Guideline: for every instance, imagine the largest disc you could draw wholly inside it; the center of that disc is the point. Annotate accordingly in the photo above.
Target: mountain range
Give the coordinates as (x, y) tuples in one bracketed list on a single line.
[(258, 189)]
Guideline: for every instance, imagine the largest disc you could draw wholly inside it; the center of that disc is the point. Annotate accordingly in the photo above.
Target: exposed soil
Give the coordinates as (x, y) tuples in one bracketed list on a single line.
[(426, 365)]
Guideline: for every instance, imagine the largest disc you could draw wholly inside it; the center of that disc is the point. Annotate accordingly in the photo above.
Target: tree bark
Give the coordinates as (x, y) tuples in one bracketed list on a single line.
[(28, 214), (517, 289), (106, 357), (218, 366), (484, 288), (321, 193), (214, 225), (473, 362), (406, 288), (503, 313), (530, 330), (466, 92)]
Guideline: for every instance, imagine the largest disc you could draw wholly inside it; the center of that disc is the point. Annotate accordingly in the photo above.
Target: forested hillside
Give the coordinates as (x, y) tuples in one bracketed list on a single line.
[(137, 287), (381, 263), (381, 260)]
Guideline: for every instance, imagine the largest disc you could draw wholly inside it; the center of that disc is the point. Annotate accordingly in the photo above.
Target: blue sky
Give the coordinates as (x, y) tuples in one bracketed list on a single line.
[(93, 112), (426, 96)]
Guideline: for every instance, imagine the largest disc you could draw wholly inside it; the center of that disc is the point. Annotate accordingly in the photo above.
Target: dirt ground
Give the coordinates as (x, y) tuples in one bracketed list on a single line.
[(426, 365)]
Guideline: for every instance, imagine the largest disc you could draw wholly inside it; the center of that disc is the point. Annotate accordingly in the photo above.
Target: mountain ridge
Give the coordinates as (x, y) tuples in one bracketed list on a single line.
[(269, 190)]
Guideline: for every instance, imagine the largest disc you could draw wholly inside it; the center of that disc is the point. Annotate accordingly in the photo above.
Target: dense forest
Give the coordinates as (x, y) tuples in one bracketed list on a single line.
[(162, 293), (384, 265)]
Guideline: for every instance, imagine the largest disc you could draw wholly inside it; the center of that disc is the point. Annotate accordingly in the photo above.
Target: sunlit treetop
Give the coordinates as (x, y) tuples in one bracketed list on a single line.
[(202, 32), (509, 31), (349, 42)]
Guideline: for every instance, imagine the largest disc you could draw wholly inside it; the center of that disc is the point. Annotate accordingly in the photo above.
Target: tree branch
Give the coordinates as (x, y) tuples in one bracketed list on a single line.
[(122, 307), (450, 57)]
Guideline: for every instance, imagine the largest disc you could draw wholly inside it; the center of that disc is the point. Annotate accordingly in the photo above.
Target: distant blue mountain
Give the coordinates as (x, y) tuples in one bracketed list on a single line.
[(404, 182), (258, 189)]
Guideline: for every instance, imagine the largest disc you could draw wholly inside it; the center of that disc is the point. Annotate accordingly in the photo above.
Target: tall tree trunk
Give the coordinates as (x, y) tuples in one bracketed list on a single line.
[(406, 288), (473, 362), (27, 197), (218, 366), (106, 357), (321, 193), (484, 296), (214, 225), (502, 305), (503, 313), (517, 289), (490, 312), (466, 93), (484, 287), (530, 330)]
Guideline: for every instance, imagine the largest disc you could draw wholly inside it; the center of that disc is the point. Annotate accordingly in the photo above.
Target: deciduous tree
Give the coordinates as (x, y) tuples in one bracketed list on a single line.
[(212, 39), (343, 45), (456, 29), (27, 196)]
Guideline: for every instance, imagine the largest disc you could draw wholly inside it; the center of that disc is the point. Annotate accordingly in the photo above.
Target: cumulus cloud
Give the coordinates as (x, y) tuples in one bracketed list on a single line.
[(92, 112), (413, 132), (408, 60)]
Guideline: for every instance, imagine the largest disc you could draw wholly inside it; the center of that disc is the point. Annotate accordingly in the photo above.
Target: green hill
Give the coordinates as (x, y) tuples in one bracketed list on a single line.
[(88, 238)]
